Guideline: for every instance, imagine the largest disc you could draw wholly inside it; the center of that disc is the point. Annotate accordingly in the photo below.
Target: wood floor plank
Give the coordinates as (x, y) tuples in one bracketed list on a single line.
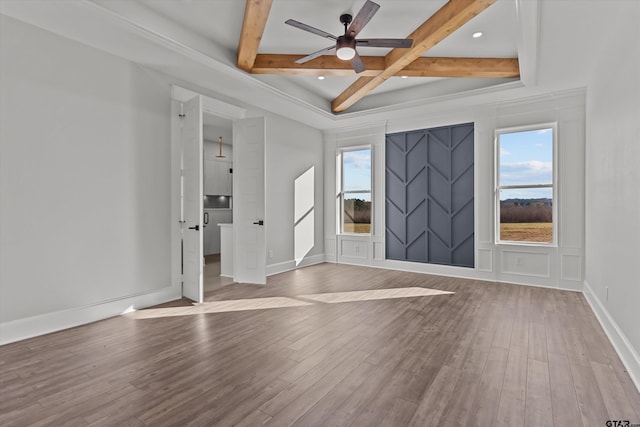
[(617, 403), (487, 399), (307, 399), (350, 407), (382, 404), (337, 396), (308, 380), (538, 400), (511, 409), (436, 398), (592, 407), (484, 354), (400, 414), (537, 341), (564, 402)]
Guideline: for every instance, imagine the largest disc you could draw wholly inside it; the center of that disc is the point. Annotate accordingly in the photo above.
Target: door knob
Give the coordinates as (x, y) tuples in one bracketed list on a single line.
[(196, 227), (260, 222)]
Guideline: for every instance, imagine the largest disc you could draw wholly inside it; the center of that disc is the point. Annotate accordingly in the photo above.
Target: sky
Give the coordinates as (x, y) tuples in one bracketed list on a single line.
[(357, 172), (526, 158)]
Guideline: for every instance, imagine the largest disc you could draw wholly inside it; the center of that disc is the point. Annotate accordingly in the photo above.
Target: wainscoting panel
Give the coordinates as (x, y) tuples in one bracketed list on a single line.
[(378, 251), (525, 263), (485, 260), (354, 248), (571, 267)]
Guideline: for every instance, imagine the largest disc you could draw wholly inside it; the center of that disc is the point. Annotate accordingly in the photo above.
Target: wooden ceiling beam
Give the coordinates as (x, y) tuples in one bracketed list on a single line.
[(256, 13), (330, 65), (450, 17)]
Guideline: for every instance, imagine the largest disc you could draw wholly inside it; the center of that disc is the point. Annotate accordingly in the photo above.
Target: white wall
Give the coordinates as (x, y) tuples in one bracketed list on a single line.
[(84, 178), (291, 149), (613, 182), (557, 267)]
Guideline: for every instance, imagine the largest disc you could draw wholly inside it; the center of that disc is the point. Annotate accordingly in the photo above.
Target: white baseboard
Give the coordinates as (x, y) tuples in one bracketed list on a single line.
[(281, 267), (621, 344), (29, 327), (330, 258)]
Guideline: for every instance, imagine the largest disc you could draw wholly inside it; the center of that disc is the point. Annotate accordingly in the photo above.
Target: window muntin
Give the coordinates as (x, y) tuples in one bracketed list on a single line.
[(355, 195), (525, 190)]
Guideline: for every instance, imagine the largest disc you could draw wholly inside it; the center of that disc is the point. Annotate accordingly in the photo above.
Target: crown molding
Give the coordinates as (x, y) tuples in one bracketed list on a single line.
[(201, 63)]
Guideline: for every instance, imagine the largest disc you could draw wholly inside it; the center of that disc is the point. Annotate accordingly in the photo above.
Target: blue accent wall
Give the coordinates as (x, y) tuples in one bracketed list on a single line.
[(429, 196)]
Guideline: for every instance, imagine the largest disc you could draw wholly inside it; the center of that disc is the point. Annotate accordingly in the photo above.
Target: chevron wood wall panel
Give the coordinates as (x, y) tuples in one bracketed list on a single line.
[(429, 196)]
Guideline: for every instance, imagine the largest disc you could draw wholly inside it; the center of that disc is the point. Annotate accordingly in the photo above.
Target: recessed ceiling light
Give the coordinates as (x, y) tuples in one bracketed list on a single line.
[(320, 77), (477, 34), (404, 77)]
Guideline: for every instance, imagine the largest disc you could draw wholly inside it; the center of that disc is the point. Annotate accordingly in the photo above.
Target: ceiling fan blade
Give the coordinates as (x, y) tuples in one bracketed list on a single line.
[(314, 55), (310, 29), (356, 63), (404, 43), (366, 13)]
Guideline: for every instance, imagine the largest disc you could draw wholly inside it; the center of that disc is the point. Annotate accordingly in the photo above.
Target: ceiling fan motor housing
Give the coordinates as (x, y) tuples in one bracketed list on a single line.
[(345, 19), (345, 47)]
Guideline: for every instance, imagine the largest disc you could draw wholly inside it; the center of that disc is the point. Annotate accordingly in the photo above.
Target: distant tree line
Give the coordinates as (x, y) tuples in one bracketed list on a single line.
[(526, 210), (357, 211)]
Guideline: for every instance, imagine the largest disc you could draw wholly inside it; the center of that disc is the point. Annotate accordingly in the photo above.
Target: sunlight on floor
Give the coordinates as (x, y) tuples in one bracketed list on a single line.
[(284, 302), (220, 307), (374, 294)]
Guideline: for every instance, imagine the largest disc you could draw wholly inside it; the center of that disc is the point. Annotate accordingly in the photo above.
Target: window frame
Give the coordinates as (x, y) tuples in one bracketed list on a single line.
[(554, 184), (340, 196)]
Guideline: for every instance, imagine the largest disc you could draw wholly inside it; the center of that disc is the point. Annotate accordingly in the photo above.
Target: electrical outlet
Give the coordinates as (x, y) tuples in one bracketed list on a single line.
[(270, 253)]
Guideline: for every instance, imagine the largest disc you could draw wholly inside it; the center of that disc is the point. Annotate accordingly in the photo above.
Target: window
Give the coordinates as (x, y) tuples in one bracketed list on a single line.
[(354, 190), (525, 185)]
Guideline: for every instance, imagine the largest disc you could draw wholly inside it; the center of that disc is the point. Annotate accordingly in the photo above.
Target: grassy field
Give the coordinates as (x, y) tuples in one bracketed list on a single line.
[(517, 231), (527, 231), (357, 228)]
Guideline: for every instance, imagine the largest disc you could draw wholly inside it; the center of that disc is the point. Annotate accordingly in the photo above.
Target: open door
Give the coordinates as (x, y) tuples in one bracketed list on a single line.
[(192, 200), (248, 201)]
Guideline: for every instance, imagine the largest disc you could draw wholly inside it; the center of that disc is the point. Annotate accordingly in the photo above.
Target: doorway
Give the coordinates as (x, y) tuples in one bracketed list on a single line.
[(246, 238), (217, 134)]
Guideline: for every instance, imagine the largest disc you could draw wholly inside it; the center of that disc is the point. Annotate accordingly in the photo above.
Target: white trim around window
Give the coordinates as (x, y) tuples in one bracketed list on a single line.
[(340, 192), (498, 186)]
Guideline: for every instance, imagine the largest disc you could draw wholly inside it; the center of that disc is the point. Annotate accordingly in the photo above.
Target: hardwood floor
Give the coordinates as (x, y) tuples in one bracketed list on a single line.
[(484, 354), (211, 277)]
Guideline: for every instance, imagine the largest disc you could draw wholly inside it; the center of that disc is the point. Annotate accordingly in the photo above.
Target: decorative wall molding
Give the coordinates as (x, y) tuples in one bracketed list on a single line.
[(571, 267), (429, 208), (629, 355), (484, 261), (519, 263), (29, 327)]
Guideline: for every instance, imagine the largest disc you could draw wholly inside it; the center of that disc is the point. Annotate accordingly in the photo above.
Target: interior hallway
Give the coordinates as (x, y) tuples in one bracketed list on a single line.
[(211, 277)]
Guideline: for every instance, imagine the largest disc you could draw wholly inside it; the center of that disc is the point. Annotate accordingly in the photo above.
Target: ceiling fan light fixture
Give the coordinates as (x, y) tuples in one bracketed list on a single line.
[(345, 48), (346, 53)]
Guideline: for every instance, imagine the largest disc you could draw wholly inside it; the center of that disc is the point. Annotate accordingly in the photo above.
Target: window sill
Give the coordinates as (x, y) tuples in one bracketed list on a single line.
[(528, 244)]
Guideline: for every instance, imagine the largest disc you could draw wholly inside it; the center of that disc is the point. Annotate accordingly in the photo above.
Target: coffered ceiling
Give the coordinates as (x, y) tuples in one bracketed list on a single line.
[(394, 19), (196, 43)]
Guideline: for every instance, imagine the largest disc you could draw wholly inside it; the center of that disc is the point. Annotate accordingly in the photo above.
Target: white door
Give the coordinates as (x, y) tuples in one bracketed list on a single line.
[(192, 200), (248, 201)]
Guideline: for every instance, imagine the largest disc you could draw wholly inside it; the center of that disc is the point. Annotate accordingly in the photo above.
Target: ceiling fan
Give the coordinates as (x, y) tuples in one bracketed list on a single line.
[(345, 46)]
